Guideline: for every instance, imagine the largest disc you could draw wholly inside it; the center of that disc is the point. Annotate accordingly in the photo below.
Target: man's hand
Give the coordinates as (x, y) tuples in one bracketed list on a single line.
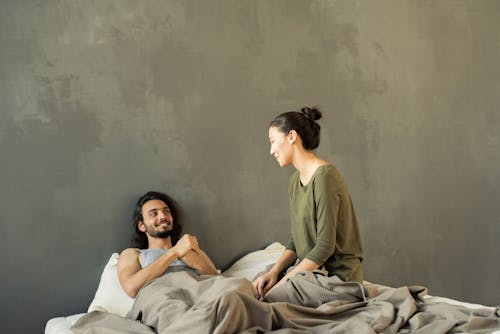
[(264, 283), (185, 244)]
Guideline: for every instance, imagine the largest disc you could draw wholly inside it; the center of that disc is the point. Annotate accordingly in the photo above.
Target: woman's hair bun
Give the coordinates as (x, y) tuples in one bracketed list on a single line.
[(312, 113)]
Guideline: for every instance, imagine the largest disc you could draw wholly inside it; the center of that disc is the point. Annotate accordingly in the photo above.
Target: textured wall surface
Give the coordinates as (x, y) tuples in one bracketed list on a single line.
[(101, 101)]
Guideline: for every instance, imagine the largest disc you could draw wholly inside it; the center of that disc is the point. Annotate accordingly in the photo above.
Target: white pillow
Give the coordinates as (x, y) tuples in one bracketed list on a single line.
[(110, 296), (255, 262)]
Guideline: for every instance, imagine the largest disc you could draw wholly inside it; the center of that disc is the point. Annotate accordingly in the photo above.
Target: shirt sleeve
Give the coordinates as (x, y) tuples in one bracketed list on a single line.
[(327, 198), (291, 243)]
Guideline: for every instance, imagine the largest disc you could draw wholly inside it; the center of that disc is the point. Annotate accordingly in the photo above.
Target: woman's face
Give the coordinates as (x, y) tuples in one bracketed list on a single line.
[(281, 146)]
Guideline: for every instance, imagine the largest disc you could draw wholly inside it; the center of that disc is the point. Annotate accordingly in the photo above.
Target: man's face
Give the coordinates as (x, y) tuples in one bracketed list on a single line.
[(157, 219)]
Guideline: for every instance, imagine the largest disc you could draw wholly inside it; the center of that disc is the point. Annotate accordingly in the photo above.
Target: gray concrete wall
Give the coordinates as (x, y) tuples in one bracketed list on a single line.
[(101, 101)]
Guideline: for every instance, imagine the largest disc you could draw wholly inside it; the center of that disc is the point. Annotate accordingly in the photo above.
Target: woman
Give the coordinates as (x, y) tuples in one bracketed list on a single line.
[(325, 232)]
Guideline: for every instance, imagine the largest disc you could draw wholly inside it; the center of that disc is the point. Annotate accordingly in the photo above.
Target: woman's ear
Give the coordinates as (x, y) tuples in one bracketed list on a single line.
[(292, 136), (141, 227)]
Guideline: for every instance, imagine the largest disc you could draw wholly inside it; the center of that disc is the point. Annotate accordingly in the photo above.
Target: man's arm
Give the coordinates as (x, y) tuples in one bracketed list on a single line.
[(133, 278), (200, 262)]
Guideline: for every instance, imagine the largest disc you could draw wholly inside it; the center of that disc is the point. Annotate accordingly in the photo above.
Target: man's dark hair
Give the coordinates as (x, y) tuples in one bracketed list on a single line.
[(139, 239)]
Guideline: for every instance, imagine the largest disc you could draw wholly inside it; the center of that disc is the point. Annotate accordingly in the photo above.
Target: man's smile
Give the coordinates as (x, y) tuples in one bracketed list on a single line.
[(163, 223)]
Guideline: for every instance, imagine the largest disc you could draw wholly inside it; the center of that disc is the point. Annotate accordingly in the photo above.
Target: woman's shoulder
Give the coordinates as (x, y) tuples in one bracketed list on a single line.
[(294, 177), (328, 170), (328, 175)]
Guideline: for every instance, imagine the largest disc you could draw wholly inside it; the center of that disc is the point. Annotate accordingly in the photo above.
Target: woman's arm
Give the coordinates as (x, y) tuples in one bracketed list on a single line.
[(304, 265), (286, 260), (327, 199), (266, 281)]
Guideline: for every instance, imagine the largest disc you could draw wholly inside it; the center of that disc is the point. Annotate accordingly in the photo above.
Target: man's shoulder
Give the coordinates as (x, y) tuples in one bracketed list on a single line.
[(129, 253), (130, 250)]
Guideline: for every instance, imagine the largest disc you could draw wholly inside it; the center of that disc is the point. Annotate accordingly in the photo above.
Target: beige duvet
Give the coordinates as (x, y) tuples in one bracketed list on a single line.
[(307, 303)]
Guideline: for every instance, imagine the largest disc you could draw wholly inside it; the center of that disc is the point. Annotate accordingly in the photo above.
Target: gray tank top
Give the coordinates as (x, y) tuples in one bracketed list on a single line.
[(148, 256)]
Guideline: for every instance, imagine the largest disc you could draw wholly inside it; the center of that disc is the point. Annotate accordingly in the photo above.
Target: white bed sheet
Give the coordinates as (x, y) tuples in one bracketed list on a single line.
[(62, 325)]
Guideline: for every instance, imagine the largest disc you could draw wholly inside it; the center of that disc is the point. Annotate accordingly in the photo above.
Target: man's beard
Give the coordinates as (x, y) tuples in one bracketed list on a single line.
[(158, 234), (161, 234)]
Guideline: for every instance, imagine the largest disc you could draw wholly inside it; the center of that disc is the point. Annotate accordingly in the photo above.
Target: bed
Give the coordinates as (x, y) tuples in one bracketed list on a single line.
[(427, 314)]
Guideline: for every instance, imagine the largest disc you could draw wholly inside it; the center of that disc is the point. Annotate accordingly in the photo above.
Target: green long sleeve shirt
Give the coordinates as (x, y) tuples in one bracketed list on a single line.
[(324, 225)]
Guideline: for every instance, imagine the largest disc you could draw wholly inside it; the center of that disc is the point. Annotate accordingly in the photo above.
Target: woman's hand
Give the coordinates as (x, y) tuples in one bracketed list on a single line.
[(281, 282), (264, 283)]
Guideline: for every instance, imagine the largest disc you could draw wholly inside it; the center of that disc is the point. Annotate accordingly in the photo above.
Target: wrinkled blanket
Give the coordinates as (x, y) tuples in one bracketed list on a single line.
[(308, 303)]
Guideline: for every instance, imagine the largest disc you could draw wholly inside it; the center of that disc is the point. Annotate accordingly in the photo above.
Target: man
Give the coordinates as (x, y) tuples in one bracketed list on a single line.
[(160, 247)]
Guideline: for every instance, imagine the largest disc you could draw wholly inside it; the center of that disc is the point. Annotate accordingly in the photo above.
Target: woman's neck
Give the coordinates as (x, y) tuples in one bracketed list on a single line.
[(306, 162)]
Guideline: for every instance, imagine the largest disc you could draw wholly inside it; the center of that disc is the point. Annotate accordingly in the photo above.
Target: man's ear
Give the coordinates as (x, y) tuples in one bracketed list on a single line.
[(141, 226)]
